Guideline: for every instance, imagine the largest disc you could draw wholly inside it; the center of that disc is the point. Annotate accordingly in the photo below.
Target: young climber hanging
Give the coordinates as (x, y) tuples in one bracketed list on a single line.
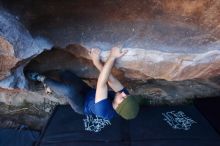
[(86, 100)]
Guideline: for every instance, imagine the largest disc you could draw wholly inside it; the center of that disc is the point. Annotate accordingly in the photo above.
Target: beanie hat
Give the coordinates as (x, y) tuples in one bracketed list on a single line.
[(129, 108)]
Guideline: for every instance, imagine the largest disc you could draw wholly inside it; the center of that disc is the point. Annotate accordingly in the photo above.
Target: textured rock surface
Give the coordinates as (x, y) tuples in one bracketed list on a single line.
[(7, 58), (16, 47), (175, 40), (137, 64), (167, 39)]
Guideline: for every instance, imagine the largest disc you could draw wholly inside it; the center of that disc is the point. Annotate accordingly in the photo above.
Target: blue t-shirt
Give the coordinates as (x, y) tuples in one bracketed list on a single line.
[(102, 108)]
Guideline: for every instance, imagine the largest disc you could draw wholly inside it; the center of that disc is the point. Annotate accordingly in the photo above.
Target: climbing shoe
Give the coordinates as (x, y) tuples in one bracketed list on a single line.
[(34, 76)]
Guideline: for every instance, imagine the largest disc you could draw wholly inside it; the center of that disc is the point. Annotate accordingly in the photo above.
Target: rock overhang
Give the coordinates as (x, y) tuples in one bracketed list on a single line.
[(172, 40), (176, 40)]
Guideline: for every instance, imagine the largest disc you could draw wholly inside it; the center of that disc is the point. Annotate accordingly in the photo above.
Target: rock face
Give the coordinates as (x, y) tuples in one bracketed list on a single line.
[(7, 59), (16, 47), (173, 45), (173, 40), (166, 39)]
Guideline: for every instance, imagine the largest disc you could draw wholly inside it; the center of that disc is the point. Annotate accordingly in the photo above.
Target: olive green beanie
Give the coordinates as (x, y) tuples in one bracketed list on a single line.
[(129, 108)]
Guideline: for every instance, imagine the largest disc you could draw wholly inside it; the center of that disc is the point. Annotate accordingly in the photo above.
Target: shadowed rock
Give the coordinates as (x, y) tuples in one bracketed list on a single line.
[(174, 41)]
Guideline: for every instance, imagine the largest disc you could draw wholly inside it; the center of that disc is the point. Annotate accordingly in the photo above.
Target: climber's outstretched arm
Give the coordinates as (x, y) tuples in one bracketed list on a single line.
[(112, 81), (101, 90)]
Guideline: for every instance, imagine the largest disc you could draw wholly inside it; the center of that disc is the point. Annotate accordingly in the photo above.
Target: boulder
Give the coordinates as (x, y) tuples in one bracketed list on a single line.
[(173, 47), (17, 46), (166, 39)]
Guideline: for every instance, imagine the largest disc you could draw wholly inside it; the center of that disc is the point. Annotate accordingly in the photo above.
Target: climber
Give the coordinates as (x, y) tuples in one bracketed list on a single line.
[(89, 101)]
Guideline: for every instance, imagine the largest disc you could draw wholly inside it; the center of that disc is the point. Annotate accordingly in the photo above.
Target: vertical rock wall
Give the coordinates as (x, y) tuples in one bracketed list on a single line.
[(16, 46)]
